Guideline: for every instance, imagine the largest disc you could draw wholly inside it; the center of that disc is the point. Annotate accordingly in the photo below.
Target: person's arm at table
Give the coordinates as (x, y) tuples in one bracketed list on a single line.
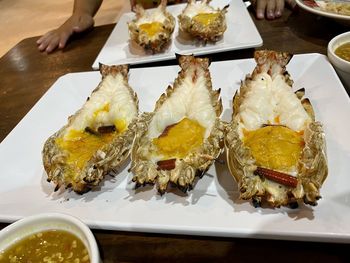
[(271, 9), (80, 20)]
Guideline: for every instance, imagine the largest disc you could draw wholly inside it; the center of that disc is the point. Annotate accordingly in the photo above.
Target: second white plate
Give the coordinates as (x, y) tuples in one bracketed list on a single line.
[(241, 33)]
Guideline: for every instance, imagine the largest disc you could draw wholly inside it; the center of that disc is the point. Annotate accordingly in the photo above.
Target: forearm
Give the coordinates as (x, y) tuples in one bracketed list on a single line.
[(86, 6)]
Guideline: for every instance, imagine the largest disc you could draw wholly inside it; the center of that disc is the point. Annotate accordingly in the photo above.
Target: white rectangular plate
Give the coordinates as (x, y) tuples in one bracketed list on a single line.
[(212, 208), (241, 33)]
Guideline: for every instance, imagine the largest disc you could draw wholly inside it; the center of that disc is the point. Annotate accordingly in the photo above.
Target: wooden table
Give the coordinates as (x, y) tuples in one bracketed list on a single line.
[(26, 74)]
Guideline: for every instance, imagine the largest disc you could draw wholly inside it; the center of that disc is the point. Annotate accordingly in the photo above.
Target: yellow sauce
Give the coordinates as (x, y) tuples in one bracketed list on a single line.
[(206, 18), (180, 138), (120, 125), (105, 108), (343, 51), (47, 246), (81, 146), (152, 28), (275, 147)]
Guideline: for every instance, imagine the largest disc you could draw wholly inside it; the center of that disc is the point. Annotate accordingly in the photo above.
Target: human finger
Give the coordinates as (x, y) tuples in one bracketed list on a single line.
[(44, 43), (52, 45), (279, 8), (44, 38), (83, 23), (270, 9), (260, 8), (42, 46), (40, 40), (63, 39)]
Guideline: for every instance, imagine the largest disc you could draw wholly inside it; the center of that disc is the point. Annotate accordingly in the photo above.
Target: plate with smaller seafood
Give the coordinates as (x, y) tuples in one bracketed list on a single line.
[(191, 191), (337, 9), (198, 27)]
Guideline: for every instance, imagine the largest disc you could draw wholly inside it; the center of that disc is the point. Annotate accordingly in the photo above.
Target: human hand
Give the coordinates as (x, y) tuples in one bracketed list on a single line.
[(58, 37), (271, 9)]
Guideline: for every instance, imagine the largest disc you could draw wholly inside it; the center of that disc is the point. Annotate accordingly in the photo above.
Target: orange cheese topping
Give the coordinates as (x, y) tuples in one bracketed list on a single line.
[(152, 28), (206, 18), (275, 147), (81, 146), (179, 139)]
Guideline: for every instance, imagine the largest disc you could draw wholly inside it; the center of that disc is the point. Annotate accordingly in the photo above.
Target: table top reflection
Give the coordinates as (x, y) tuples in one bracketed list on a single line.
[(26, 74)]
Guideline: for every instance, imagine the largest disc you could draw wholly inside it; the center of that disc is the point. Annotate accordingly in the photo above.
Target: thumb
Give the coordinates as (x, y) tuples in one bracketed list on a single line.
[(77, 29), (83, 24)]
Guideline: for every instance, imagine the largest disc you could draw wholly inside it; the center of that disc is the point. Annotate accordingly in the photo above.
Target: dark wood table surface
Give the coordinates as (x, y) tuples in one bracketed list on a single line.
[(26, 74)]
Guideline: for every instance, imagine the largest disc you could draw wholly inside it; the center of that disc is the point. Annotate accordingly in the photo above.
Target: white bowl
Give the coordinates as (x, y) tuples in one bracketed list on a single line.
[(50, 221), (341, 66)]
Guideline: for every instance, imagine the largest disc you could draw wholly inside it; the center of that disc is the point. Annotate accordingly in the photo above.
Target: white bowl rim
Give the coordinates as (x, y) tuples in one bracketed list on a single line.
[(94, 255), (334, 41)]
